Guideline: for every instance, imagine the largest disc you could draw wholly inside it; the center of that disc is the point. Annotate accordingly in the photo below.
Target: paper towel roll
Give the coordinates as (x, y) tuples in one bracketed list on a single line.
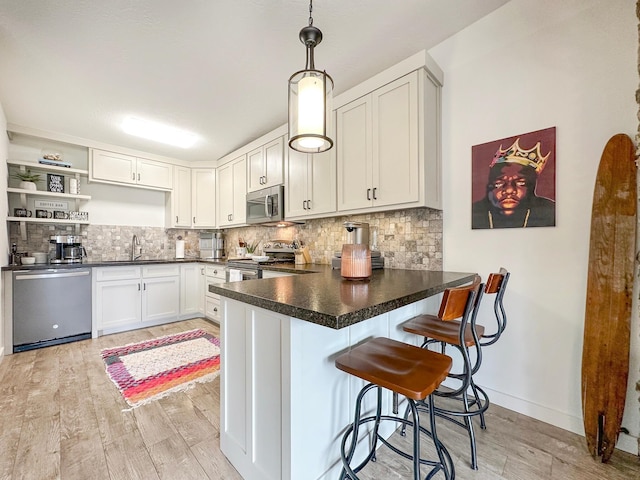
[(179, 248)]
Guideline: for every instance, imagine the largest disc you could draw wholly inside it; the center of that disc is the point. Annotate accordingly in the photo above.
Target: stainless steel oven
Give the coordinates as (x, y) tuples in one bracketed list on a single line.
[(237, 273)]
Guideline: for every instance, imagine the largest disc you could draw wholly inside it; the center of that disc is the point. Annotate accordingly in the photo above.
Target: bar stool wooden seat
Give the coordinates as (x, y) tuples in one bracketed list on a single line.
[(406, 370), (455, 327)]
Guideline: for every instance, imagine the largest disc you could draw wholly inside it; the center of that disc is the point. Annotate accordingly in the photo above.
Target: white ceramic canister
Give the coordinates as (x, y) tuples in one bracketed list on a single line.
[(73, 186)]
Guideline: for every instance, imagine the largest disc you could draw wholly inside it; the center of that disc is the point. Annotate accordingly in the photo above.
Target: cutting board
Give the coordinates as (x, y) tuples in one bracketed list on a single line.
[(605, 354)]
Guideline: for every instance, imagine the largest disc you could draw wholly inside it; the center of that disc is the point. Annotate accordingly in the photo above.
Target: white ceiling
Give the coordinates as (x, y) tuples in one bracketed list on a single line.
[(216, 67)]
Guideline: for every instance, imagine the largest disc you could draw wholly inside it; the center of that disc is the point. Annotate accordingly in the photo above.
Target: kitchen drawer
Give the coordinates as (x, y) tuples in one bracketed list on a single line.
[(210, 281), (116, 273), (212, 308), (215, 271), (165, 270)]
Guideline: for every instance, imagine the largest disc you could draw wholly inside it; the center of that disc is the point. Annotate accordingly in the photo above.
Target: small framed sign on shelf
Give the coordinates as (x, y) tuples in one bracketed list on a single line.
[(55, 183)]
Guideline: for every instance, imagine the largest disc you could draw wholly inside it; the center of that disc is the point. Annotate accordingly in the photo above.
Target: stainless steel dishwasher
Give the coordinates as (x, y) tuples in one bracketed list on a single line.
[(50, 307)]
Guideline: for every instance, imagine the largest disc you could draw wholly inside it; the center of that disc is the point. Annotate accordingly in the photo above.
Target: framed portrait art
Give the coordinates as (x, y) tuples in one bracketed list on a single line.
[(514, 181)]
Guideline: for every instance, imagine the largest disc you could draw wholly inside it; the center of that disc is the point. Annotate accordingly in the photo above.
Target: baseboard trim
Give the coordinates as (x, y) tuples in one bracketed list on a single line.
[(627, 443)]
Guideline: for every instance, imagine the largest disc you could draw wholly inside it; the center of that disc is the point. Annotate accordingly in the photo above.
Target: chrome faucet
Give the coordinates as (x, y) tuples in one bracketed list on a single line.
[(135, 243)]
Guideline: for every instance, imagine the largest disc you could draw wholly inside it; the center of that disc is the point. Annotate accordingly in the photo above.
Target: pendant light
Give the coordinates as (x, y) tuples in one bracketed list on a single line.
[(310, 99)]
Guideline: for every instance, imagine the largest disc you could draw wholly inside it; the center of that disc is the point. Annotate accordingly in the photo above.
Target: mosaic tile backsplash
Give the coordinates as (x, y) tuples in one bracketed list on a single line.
[(409, 239)]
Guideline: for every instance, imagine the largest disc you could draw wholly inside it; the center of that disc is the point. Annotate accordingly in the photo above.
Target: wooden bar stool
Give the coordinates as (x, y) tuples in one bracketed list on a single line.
[(455, 325), (406, 370)]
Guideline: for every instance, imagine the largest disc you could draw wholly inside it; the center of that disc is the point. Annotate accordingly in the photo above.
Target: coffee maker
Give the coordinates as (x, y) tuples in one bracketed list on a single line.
[(357, 233), (66, 249)]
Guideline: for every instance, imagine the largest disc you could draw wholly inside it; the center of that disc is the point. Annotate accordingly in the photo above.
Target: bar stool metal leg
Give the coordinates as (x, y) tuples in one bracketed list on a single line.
[(444, 463)]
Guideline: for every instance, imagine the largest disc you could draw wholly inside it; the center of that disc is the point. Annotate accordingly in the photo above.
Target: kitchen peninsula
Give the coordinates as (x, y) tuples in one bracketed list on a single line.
[(283, 403)]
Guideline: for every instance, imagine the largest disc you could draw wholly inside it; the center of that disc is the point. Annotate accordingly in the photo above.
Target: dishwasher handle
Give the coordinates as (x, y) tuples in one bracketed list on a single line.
[(50, 274)]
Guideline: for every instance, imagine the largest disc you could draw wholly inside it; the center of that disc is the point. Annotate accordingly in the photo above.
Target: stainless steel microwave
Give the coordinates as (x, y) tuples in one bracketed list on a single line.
[(266, 206)]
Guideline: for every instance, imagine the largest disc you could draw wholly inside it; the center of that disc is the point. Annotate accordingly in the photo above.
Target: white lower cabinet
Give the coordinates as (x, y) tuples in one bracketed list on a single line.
[(251, 398), (191, 290), (133, 296), (213, 274)]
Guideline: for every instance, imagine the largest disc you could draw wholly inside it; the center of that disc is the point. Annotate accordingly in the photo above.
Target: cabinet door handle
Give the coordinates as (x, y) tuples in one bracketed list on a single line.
[(304, 204), (215, 309), (194, 219), (138, 287), (202, 271), (144, 286), (138, 177), (374, 193), (368, 194), (308, 204), (176, 218), (215, 272), (133, 176)]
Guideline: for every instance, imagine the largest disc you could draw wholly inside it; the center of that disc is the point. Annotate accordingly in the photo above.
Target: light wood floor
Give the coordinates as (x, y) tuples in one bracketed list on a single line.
[(62, 418)]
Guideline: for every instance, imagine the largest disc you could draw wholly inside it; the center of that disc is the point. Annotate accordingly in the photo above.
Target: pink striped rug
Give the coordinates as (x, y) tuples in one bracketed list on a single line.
[(152, 369)]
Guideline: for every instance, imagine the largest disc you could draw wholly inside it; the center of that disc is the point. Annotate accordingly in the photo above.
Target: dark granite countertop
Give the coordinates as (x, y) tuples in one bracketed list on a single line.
[(112, 263), (325, 298)]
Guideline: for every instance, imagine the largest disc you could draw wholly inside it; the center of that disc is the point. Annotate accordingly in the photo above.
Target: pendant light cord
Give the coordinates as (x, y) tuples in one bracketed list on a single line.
[(310, 12)]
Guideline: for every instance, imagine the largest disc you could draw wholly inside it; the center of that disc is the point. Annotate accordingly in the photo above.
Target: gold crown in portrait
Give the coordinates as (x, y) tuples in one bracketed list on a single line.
[(516, 154)]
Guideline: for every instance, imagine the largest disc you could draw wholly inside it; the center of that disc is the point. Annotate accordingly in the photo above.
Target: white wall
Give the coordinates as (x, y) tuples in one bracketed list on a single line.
[(530, 65)]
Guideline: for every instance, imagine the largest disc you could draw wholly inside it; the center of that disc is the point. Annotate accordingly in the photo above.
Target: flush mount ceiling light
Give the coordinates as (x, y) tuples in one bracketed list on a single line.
[(159, 132), (310, 98)]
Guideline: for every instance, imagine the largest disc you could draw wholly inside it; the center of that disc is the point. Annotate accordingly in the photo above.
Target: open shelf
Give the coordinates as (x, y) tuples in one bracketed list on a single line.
[(45, 193), (47, 168), (47, 220)]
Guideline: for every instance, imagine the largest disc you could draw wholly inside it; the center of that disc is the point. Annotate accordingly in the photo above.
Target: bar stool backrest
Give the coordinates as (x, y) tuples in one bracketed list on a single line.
[(455, 300), (497, 284)]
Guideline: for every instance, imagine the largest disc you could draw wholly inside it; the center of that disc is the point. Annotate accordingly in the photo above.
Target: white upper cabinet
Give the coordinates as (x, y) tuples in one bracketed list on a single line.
[(388, 151), (154, 174), (110, 167), (203, 203), (265, 165), (231, 192), (178, 206), (354, 154), (310, 181)]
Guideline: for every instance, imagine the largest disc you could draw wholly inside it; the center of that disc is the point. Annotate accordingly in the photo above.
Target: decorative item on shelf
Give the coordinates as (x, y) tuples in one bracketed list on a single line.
[(74, 188), (53, 159), (81, 216), (22, 212), (55, 183), (60, 215), (310, 99), (43, 213), (27, 179)]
